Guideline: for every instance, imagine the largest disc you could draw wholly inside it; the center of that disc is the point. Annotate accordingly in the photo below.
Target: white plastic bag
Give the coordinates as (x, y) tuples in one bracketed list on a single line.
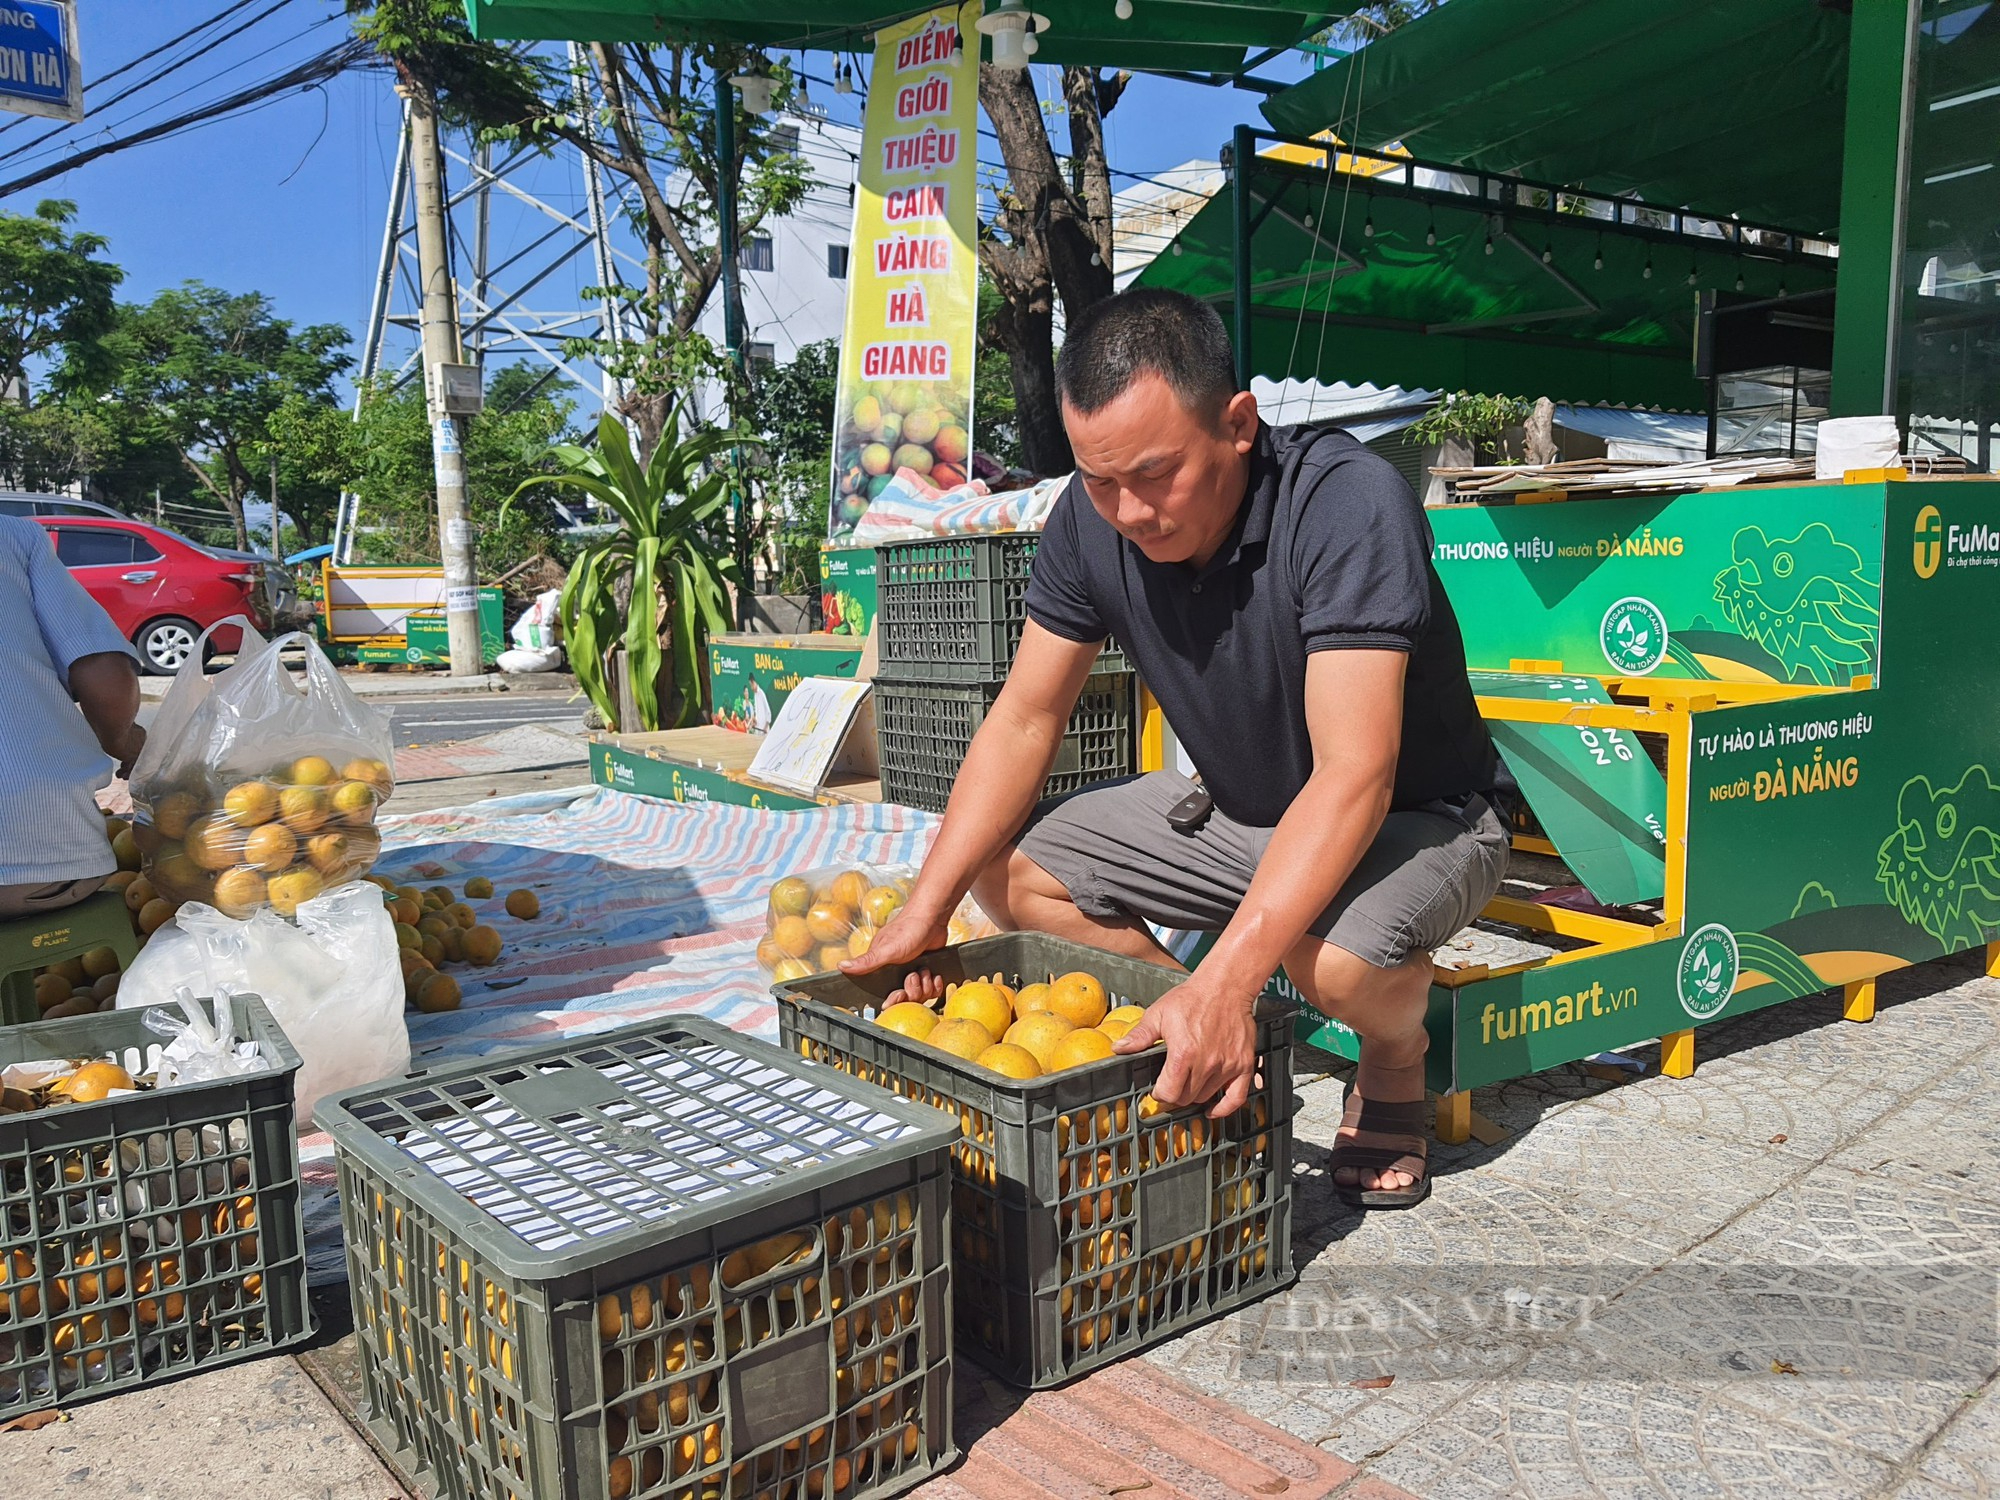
[(529, 659), (332, 981), (256, 789), (535, 630)]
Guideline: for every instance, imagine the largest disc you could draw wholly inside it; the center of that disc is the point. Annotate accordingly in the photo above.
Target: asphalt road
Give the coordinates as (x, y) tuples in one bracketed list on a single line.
[(438, 721)]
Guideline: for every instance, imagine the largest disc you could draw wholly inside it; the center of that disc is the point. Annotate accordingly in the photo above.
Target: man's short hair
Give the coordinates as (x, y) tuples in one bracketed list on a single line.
[(1148, 330)]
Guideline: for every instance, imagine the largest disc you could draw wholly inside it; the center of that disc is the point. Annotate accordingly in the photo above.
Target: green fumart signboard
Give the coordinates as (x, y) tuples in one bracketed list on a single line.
[(847, 594), (1832, 834), (1736, 587), (751, 676)]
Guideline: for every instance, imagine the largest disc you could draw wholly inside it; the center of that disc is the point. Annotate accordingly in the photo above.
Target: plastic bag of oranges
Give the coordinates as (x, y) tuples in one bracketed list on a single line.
[(256, 789), (818, 919)]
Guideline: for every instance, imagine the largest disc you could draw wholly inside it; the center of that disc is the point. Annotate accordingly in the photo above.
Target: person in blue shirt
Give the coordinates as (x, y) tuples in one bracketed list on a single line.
[(69, 707)]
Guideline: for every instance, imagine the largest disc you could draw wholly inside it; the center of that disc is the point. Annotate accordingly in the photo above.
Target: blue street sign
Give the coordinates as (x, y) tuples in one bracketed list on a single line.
[(38, 59)]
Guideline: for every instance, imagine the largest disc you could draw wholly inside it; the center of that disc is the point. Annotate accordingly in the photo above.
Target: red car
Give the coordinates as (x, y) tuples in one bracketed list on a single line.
[(161, 589)]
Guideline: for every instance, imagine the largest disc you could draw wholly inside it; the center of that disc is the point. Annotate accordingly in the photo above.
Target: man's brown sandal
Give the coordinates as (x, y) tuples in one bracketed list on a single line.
[(1388, 1138)]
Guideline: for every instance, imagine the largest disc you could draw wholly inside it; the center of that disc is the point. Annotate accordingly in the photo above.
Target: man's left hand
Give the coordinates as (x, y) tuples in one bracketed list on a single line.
[(1211, 1038)]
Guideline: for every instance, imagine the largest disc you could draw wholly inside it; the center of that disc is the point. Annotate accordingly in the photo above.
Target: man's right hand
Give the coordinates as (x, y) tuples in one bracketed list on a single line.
[(909, 935)]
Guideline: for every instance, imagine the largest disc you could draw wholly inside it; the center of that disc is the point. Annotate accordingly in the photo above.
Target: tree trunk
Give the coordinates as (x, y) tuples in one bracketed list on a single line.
[(1025, 328)]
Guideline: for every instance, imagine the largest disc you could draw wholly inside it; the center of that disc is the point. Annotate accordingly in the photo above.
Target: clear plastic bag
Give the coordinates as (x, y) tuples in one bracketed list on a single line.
[(817, 919), (331, 980), (255, 789), (199, 1050)]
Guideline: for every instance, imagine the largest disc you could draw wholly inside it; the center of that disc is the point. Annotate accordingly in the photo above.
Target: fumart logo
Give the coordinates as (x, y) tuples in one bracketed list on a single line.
[(1929, 550), (1633, 635), (1705, 978)]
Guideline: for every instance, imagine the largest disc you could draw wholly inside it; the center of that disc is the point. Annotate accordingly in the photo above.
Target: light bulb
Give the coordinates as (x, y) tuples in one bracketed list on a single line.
[(1648, 272), (1597, 263), (1431, 235), (1739, 281), (1123, 10), (958, 54), (1548, 254), (1308, 219), (1692, 276), (1096, 259), (1030, 43), (1489, 244), (1368, 226), (1177, 247)]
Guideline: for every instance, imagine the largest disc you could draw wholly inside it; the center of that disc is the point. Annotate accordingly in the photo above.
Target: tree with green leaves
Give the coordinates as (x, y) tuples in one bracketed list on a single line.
[(207, 371), (56, 308)]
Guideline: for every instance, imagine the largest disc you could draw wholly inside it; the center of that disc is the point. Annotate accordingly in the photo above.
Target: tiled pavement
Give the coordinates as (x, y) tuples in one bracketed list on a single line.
[(1776, 1278)]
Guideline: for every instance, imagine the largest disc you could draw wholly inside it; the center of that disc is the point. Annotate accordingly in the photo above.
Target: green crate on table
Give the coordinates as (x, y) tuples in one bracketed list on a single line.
[(950, 609), (923, 729), (666, 1260), (152, 1233), (1087, 1222)]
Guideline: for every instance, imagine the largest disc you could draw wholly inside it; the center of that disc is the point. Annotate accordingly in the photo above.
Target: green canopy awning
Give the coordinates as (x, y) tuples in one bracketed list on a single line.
[(1164, 35), (1725, 106), (1512, 298)]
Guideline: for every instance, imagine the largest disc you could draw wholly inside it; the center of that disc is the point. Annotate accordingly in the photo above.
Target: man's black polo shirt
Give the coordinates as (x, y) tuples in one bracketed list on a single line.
[(1330, 550)]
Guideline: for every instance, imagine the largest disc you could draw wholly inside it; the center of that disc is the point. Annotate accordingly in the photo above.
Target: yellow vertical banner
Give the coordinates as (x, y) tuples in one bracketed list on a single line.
[(905, 389)]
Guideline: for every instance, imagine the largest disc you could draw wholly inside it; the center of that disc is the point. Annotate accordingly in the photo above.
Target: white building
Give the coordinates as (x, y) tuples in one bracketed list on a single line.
[(1146, 216), (794, 269)]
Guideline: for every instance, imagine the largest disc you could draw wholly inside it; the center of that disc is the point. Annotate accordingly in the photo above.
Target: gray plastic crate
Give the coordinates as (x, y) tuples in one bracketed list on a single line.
[(950, 609), (151, 1234), (1084, 1226), (666, 1260), (923, 729)]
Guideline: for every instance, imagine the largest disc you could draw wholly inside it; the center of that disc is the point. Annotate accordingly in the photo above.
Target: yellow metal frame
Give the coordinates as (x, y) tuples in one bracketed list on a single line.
[(327, 574)]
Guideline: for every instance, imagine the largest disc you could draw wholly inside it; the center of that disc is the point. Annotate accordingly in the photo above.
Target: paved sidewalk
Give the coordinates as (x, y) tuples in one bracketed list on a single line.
[(1777, 1278)]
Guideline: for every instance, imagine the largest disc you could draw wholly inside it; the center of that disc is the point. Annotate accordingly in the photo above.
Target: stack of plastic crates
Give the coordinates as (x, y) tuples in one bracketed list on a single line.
[(668, 1260), (1088, 1222), (949, 621), (151, 1233)]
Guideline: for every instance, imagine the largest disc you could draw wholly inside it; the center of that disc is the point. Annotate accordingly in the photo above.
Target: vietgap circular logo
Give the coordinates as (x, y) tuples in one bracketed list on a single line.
[(1705, 978), (1634, 635)]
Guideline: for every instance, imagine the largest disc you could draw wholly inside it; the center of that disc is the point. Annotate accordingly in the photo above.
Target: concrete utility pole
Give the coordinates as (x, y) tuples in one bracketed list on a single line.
[(439, 321)]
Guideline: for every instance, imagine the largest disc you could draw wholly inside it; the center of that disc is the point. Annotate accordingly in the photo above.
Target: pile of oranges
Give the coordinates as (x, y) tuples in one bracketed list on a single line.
[(434, 928), (276, 839), (1026, 1033), (814, 926)]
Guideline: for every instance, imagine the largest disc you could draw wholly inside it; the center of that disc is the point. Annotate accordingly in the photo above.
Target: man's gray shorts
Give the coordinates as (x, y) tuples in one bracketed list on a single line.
[(1426, 876)]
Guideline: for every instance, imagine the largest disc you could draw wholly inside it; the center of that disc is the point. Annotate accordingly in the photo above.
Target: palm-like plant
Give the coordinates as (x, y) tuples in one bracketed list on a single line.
[(662, 560)]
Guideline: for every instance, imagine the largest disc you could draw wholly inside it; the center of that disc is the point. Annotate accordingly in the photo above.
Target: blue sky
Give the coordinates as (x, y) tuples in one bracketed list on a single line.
[(288, 199)]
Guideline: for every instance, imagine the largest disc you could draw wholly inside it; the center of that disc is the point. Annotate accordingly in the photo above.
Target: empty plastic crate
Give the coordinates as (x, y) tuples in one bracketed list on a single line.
[(152, 1233), (923, 729), (667, 1260), (1087, 1222), (951, 609)]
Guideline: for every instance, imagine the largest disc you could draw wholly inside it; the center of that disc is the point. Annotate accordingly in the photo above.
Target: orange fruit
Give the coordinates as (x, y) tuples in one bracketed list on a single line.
[(1084, 1045), (117, 880), (436, 993), (178, 878), (98, 962), (250, 803), (304, 808), (51, 989), (1079, 999), (409, 939), (93, 1081), (478, 888), (154, 915), (790, 970), (791, 897), (213, 843), (311, 770), (432, 948), (291, 890), (907, 1018), (1121, 1020), (1010, 1061), (434, 926), (173, 812), (859, 941), (240, 891), (1038, 1033), (482, 945), (371, 771), (832, 956), (961, 1036), (793, 937), (271, 847), (452, 940), (354, 802), (1033, 997), (524, 905), (331, 853), (125, 848), (829, 923), (768, 953), (461, 914), (881, 903), (981, 1002), (846, 889), (405, 911), (138, 893)]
